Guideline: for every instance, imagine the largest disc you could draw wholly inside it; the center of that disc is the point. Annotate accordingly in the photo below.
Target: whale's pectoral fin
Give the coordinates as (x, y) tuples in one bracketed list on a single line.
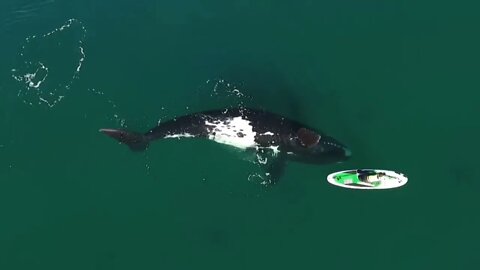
[(275, 169), (136, 141), (273, 165)]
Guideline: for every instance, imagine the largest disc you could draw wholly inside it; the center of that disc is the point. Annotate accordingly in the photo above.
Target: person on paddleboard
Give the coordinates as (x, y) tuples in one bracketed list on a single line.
[(361, 178)]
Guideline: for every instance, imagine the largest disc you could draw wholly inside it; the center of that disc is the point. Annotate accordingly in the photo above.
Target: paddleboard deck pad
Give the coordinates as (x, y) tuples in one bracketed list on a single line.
[(367, 179)]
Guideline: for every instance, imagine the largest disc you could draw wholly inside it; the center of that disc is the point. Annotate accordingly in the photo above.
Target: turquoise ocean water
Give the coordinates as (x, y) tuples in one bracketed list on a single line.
[(397, 81)]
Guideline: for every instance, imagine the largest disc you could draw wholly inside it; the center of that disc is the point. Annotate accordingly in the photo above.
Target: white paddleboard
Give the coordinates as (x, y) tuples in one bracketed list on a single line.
[(367, 179)]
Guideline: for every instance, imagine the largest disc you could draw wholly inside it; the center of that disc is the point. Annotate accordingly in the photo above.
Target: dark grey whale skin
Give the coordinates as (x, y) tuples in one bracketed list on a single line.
[(294, 141)]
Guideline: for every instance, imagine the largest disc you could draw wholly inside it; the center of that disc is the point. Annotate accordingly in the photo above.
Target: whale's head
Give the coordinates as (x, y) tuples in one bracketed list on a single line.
[(310, 146)]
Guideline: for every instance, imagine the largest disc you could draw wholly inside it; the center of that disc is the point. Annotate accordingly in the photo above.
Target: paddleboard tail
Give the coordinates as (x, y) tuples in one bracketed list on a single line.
[(135, 141)]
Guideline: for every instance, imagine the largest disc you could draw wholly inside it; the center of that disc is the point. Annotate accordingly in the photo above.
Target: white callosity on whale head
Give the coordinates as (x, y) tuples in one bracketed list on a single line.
[(236, 131)]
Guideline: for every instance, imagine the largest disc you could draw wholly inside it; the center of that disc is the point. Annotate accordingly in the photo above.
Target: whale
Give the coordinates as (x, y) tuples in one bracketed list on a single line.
[(265, 133)]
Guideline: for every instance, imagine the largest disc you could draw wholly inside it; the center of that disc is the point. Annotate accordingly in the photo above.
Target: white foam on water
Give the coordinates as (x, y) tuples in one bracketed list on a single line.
[(237, 92), (262, 160), (37, 85), (113, 115), (226, 91), (252, 177), (275, 149), (262, 179)]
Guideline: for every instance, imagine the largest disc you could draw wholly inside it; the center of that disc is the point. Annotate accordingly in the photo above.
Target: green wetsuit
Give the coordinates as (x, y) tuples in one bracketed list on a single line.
[(354, 179)]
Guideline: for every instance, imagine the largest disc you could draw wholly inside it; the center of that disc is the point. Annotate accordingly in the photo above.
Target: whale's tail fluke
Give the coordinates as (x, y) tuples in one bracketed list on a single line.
[(136, 141)]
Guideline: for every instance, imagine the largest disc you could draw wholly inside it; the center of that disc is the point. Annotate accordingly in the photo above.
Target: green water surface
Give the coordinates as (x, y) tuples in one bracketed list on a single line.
[(396, 81)]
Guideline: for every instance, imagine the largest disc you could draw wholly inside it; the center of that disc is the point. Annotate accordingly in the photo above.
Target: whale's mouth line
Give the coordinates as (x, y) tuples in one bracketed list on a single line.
[(332, 143)]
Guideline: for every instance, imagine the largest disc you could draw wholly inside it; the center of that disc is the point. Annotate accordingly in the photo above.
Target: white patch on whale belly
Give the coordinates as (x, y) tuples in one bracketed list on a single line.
[(178, 136), (236, 131)]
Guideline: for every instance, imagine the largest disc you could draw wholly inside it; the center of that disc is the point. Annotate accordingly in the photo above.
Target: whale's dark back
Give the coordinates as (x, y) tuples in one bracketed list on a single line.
[(245, 128)]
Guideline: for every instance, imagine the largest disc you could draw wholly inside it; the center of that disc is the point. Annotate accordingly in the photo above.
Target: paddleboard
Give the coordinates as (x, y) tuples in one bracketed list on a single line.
[(367, 179)]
